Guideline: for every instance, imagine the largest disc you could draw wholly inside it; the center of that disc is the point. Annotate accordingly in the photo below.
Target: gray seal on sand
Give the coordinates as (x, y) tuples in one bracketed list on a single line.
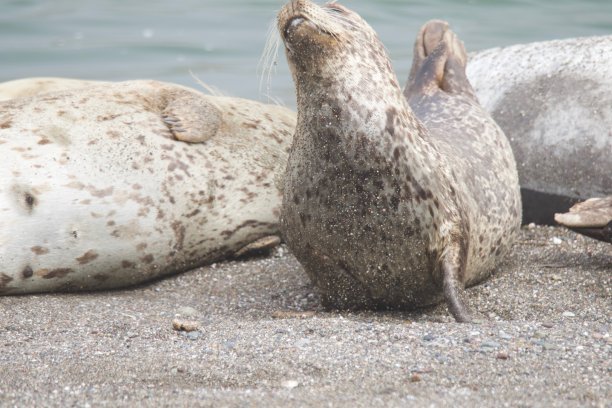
[(553, 100), (388, 204), (112, 185)]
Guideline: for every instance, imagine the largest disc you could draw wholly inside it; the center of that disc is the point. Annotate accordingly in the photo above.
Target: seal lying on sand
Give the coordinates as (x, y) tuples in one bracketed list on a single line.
[(553, 100), (592, 218), (113, 185), (387, 206)]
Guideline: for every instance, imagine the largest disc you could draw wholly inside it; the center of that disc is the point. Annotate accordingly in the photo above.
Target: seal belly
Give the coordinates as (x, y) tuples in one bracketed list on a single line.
[(356, 260)]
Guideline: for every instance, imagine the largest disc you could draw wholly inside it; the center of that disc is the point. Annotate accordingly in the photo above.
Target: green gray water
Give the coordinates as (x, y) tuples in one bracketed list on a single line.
[(221, 42)]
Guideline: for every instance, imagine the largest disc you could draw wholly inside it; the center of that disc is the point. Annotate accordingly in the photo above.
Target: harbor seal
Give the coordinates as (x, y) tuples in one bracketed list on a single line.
[(113, 185), (386, 204), (553, 100)]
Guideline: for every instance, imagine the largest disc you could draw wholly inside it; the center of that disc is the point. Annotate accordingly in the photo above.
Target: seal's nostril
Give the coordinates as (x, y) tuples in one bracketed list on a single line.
[(292, 23)]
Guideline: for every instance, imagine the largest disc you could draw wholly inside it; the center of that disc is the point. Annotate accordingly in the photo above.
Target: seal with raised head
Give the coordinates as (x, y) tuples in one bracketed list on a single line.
[(388, 204), (116, 184)]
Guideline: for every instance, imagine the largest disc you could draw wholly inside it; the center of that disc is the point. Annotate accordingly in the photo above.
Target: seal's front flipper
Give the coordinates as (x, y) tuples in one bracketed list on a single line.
[(453, 289), (191, 117)]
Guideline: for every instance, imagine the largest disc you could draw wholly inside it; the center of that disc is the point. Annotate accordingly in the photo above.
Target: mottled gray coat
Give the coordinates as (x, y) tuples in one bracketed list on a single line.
[(386, 206)]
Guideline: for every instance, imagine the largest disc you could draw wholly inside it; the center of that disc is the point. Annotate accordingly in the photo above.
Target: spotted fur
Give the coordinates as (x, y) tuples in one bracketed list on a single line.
[(116, 184), (389, 202)]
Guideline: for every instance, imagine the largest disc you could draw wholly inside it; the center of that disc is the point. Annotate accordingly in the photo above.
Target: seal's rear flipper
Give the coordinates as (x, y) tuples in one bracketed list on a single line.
[(453, 289), (258, 247), (439, 62), (592, 218), (190, 117)]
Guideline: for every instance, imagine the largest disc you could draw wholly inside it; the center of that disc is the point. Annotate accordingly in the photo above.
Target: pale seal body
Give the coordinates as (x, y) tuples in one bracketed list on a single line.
[(97, 192), (25, 87), (384, 209), (553, 100)]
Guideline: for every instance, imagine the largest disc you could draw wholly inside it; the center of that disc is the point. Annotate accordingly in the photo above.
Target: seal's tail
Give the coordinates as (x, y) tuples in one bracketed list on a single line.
[(439, 62)]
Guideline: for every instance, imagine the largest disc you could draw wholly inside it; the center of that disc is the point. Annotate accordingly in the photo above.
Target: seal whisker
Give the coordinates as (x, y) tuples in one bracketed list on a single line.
[(268, 60)]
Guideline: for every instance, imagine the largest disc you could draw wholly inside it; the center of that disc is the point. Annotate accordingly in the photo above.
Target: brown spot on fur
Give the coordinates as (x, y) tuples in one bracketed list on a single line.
[(252, 125), (107, 117), (87, 257), (193, 213), (38, 250), (30, 201), (27, 272), (127, 264), (141, 246), (147, 259), (113, 134), (100, 193), (44, 141), (75, 185), (248, 223), (179, 232), (101, 277), (390, 125), (4, 280), (55, 273)]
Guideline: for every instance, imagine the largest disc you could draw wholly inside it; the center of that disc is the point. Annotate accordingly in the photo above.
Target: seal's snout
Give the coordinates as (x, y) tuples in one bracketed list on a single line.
[(300, 19), (291, 25)]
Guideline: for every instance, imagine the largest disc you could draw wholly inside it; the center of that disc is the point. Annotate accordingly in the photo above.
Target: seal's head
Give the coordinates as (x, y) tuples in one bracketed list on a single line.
[(329, 43)]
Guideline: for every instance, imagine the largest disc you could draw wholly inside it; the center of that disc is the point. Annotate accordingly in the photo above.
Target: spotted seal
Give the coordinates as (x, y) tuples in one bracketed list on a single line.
[(116, 184), (389, 203), (553, 100)]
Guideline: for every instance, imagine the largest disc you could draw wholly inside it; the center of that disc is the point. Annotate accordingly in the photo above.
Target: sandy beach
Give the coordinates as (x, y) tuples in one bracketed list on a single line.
[(264, 340)]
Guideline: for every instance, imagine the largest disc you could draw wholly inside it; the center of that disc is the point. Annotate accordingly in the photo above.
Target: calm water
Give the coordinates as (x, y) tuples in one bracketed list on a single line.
[(221, 42)]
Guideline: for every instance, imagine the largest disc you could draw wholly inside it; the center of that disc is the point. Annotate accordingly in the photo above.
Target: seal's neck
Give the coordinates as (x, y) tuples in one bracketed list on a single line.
[(357, 110)]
